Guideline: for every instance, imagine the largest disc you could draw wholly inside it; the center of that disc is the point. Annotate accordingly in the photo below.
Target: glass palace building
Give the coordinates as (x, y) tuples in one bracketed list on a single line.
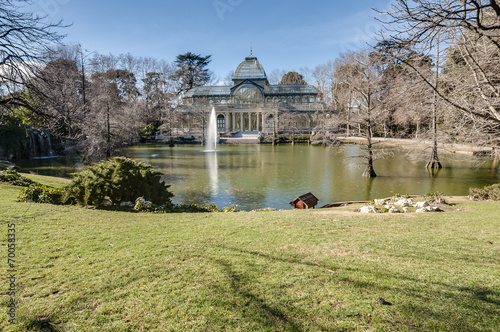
[(252, 104)]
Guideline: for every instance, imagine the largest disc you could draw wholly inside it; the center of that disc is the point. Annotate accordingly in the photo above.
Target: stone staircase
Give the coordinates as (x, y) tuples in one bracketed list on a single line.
[(242, 137)]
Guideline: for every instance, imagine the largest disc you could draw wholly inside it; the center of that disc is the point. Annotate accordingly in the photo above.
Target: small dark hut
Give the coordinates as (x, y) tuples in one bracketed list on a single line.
[(304, 202)]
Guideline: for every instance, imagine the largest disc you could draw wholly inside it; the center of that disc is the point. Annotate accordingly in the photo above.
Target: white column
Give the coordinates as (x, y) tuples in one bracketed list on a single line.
[(249, 121), (226, 122), (242, 123)]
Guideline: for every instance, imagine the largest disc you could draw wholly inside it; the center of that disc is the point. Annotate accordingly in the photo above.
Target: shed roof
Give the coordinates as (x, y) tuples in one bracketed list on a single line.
[(308, 198)]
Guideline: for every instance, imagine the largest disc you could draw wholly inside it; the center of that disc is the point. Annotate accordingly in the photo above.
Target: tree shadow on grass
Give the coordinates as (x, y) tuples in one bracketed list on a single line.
[(267, 315), (482, 294), (42, 324), (477, 301)]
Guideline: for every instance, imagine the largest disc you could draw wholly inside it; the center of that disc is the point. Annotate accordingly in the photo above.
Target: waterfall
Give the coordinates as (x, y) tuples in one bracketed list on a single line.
[(211, 139), (40, 144)]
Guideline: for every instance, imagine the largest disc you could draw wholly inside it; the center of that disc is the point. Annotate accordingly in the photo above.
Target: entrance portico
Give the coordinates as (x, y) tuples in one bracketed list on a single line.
[(239, 120)]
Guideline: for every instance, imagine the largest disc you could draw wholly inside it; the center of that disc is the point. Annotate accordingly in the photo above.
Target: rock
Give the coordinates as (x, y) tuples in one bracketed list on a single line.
[(258, 210), (368, 209), (429, 209), (127, 204), (380, 201), (404, 202), (422, 204), (394, 210), (406, 210), (107, 202), (142, 205)]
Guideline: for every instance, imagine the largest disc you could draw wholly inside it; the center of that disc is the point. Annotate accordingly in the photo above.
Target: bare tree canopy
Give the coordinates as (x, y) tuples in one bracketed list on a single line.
[(419, 21), (360, 74), (24, 40), (469, 30)]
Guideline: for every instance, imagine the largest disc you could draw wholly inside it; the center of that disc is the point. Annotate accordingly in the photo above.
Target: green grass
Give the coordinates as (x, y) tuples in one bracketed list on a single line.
[(91, 270), (47, 180)]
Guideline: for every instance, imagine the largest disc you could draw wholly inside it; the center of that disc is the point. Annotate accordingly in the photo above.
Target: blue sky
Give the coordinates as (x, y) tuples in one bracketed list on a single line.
[(285, 35)]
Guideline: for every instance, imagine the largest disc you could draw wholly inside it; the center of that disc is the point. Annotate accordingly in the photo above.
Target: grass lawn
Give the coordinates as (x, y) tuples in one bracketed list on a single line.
[(323, 270)]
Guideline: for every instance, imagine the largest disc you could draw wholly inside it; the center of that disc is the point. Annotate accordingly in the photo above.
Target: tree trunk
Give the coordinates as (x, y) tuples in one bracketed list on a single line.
[(418, 129), (108, 133), (203, 129), (433, 162), (274, 129), (369, 171)]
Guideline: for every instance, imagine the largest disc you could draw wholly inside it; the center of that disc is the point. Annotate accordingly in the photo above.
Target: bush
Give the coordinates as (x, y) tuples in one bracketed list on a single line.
[(304, 138), (187, 208), (434, 198), (35, 192), (118, 179), (14, 178), (149, 130), (487, 193), (38, 193)]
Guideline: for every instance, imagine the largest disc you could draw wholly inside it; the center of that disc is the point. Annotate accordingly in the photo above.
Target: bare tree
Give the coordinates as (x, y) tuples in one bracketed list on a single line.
[(114, 116), (471, 29), (59, 93), (358, 71), (275, 76), (24, 41), (228, 79), (321, 76)]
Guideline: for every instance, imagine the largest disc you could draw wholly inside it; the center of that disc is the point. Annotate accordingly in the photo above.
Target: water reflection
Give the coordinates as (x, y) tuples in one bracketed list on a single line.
[(258, 176), (213, 172)]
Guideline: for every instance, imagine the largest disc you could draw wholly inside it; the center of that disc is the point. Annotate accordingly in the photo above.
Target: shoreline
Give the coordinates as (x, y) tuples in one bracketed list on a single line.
[(423, 144)]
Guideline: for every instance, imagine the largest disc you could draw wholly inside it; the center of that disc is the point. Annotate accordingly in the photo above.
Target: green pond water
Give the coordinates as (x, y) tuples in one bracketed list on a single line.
[(259, 176)]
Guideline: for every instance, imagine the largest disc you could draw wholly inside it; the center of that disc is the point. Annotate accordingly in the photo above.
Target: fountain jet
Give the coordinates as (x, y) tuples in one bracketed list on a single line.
[(211, 140)]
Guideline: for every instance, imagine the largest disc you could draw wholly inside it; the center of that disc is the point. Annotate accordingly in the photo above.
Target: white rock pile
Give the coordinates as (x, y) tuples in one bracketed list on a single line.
[(399, 205)]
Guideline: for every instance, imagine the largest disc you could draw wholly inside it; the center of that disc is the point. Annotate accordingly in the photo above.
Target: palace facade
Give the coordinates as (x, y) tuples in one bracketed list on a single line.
[(251, 104)]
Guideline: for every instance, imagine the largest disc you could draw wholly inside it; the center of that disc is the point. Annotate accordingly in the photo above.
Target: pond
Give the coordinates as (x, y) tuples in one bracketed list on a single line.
[(260, 176)]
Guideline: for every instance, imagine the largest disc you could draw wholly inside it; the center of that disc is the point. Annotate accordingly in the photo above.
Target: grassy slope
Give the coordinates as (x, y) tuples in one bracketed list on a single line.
[(47, 180), (87, 270)]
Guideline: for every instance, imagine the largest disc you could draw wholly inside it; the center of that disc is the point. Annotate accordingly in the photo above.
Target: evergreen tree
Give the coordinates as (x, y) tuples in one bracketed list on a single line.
[(192, 71), (292, 77)]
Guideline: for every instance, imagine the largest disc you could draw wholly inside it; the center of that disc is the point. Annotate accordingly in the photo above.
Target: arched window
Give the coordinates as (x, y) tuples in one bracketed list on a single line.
[(248, 94), (221, 122)]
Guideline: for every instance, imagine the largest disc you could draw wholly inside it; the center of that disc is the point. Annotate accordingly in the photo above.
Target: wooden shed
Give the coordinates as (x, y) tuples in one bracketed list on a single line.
[(304, 202)]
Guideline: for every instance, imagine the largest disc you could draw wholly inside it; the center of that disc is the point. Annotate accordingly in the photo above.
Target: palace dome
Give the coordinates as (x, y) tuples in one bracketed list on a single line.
[(250, 69)]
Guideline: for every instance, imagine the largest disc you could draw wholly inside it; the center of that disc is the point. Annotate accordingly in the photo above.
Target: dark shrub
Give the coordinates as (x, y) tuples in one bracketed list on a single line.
[(119, 180)]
